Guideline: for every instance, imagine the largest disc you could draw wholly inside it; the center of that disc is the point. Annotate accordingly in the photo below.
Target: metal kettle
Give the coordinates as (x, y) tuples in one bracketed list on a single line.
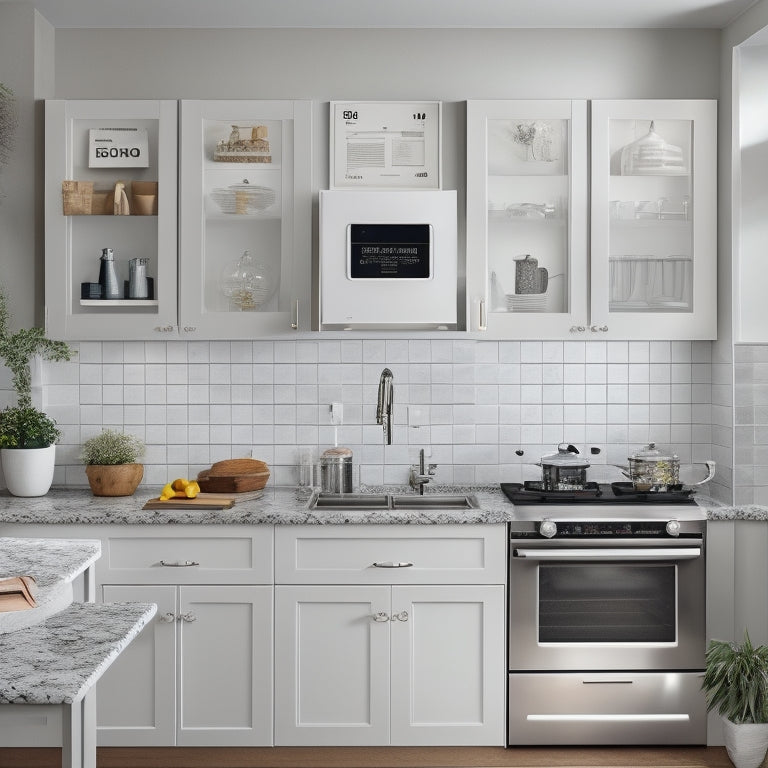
[(110, 287)]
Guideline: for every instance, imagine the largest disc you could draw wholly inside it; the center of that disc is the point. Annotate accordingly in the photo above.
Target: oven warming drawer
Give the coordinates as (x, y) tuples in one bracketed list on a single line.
[(607, 708)]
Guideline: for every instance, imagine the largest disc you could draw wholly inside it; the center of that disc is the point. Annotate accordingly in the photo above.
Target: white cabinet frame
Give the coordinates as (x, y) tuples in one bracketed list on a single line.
[(525, 325)]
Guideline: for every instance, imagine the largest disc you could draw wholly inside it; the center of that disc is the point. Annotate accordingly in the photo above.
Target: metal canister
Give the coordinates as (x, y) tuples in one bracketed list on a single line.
[(336, 470), (138, 287)]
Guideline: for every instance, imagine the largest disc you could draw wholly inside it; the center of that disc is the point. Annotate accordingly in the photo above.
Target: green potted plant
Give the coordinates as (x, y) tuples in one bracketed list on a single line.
[(111, 464), (27, 435), (736, 683)]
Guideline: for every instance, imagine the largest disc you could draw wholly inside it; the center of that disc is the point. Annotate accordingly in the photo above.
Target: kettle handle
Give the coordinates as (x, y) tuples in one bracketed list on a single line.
[(711, 466)]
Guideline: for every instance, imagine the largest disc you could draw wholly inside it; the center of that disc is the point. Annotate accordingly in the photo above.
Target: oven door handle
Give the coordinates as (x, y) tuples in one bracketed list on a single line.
[(608, 553)]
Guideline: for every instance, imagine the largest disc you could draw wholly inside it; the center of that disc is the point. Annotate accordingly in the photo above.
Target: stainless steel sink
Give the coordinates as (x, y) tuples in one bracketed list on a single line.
[(351, 501), (368, 502), (435, 501)]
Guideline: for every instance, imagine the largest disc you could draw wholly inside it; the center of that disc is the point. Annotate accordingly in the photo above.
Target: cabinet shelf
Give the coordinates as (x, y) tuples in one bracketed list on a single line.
[(119, 302)]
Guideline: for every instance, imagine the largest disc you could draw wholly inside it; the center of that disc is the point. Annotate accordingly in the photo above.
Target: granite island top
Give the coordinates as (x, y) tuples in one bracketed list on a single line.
[(282, 505), (277, 506), (59, 660), (50, 561)]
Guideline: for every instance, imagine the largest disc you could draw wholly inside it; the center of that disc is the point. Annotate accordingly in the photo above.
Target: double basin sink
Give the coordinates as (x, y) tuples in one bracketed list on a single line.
[(372, 502)]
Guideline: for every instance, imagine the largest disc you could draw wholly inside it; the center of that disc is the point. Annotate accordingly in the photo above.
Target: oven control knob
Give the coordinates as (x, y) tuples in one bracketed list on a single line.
[(548, 528), (673, 527)]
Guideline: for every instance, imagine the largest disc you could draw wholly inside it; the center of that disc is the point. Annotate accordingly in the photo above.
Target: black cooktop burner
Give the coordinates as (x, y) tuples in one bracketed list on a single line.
[(593, 493)]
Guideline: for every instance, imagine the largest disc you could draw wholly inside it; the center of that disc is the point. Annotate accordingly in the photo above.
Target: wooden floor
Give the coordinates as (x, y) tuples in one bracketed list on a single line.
[(381, 757)]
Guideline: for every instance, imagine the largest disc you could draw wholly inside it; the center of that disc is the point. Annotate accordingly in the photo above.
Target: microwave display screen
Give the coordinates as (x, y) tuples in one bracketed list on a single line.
[(400, 251)]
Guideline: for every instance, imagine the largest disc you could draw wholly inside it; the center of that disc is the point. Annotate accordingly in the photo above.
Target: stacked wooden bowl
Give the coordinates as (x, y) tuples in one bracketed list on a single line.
[(234, 476)]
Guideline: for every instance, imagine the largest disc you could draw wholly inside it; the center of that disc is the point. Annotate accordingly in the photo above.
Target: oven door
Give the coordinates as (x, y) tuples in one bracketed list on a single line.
[(589, 604)]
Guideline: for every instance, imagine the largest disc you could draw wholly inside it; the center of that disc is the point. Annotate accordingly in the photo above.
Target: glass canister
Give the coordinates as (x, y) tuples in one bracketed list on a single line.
[(336, 470)]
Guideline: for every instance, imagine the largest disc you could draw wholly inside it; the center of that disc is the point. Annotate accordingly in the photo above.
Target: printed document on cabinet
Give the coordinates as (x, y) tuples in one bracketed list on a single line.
[(385, 145)]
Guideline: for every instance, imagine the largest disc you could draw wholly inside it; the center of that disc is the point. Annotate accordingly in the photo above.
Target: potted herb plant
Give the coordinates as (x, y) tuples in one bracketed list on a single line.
[(736, 683), (111, 464), (27, 435)]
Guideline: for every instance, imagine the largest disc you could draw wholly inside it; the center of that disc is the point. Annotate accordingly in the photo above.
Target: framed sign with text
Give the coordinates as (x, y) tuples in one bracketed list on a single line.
[(119, 147), (386, 145)]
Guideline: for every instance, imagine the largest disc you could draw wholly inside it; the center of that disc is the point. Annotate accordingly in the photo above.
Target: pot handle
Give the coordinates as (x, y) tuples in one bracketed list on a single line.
[(711, 465)]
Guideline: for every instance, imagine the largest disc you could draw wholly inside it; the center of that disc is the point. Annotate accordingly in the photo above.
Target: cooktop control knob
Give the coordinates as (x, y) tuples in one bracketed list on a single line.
[(548, 528), (673, 527)]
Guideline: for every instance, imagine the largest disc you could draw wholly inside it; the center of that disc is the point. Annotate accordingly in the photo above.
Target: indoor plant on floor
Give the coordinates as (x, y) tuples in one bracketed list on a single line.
[(27, 435), (736, 683), (110, 460)]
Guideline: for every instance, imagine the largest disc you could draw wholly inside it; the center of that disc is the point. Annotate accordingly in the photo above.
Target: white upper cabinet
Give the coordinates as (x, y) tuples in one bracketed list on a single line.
[(245, 218), (654, 214), (526, 217), (97, 147), (647, 270)]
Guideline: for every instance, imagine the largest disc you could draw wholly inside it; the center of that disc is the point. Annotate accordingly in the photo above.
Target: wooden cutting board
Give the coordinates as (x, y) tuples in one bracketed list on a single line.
[(201, 501)]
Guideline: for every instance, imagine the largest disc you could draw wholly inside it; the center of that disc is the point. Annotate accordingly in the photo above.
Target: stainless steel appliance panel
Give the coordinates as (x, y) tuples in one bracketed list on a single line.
[(607, 708), (627, 604)]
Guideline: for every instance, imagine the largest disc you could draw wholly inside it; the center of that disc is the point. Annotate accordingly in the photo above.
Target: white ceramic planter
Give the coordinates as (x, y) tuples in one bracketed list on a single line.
[(28, 471), (745, 743)]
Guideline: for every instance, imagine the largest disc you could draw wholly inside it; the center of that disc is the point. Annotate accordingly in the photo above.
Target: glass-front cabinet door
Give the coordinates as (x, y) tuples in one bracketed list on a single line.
[(110, 219), (653, 226), (527, 217), (245, 218)]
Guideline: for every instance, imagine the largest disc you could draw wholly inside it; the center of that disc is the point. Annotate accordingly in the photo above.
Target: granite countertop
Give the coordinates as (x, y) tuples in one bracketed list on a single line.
[(50, 561), (277, 506), (280, 505), (56, 662)]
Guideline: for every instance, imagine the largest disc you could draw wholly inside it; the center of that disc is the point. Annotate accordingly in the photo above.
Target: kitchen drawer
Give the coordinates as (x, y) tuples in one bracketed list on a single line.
[(391, 554), (607, 708), (187, 555)]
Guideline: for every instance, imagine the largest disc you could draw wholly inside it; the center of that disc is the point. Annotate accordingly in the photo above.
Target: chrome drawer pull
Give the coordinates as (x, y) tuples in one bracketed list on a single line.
[(168, 618), (380, 616), (187, 617), (390, 564), (606, 682), (402, 616), (179, 564)]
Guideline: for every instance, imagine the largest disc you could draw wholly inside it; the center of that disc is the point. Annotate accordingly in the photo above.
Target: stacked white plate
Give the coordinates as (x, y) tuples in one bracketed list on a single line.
[(527, 302)]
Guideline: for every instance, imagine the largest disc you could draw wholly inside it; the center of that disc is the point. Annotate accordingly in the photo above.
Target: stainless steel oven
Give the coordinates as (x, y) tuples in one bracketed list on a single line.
[(607, 623)]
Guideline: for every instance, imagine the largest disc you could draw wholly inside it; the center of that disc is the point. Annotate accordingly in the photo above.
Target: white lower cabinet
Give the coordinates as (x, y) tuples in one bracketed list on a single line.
[(199, 675), (400, 665)]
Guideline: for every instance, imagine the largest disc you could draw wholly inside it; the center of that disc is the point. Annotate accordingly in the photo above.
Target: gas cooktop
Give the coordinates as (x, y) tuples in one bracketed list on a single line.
[(614, 501), (593, 493)]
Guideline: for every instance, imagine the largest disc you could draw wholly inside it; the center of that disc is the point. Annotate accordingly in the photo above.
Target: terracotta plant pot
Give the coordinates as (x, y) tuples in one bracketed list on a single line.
[(114, 479)]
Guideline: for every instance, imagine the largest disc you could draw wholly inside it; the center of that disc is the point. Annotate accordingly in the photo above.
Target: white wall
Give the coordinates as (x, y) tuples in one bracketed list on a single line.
[(271, 396)]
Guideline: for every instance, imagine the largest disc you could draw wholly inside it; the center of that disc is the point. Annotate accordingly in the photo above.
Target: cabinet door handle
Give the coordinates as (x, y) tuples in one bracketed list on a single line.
[(402, 616), (390, 564), (595, 328), (483, 320), (190, 328), (187, 616), (577, 329), (168, 618), (164, 328), (295, 316), (380, 616), (179, 564)]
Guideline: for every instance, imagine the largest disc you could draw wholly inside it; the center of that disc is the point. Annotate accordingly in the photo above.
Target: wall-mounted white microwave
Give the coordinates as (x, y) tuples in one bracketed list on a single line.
[(388, 259)]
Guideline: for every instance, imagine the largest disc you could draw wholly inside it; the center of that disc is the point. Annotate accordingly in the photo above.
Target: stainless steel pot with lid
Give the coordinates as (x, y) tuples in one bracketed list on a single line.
[(564, 470)]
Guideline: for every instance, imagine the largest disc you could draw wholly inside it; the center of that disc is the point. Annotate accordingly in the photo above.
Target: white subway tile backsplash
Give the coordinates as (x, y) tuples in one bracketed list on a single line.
[(198, 402)]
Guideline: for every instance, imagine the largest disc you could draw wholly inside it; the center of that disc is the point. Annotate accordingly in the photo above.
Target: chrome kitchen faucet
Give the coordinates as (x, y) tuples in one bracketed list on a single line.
[(384, 404)]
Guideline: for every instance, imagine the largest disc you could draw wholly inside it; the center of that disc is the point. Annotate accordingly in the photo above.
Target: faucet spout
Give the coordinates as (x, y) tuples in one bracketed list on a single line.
[(385, 403)]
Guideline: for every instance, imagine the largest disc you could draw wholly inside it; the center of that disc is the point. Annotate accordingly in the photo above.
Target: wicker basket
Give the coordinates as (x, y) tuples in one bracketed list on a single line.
[(79, 198)]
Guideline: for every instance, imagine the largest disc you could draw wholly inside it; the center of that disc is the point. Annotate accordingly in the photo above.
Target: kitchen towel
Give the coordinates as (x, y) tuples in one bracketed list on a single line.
[(17, 593)]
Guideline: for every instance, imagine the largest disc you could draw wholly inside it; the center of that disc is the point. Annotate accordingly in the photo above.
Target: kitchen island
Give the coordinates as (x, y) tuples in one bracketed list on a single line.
[(52, 655)]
